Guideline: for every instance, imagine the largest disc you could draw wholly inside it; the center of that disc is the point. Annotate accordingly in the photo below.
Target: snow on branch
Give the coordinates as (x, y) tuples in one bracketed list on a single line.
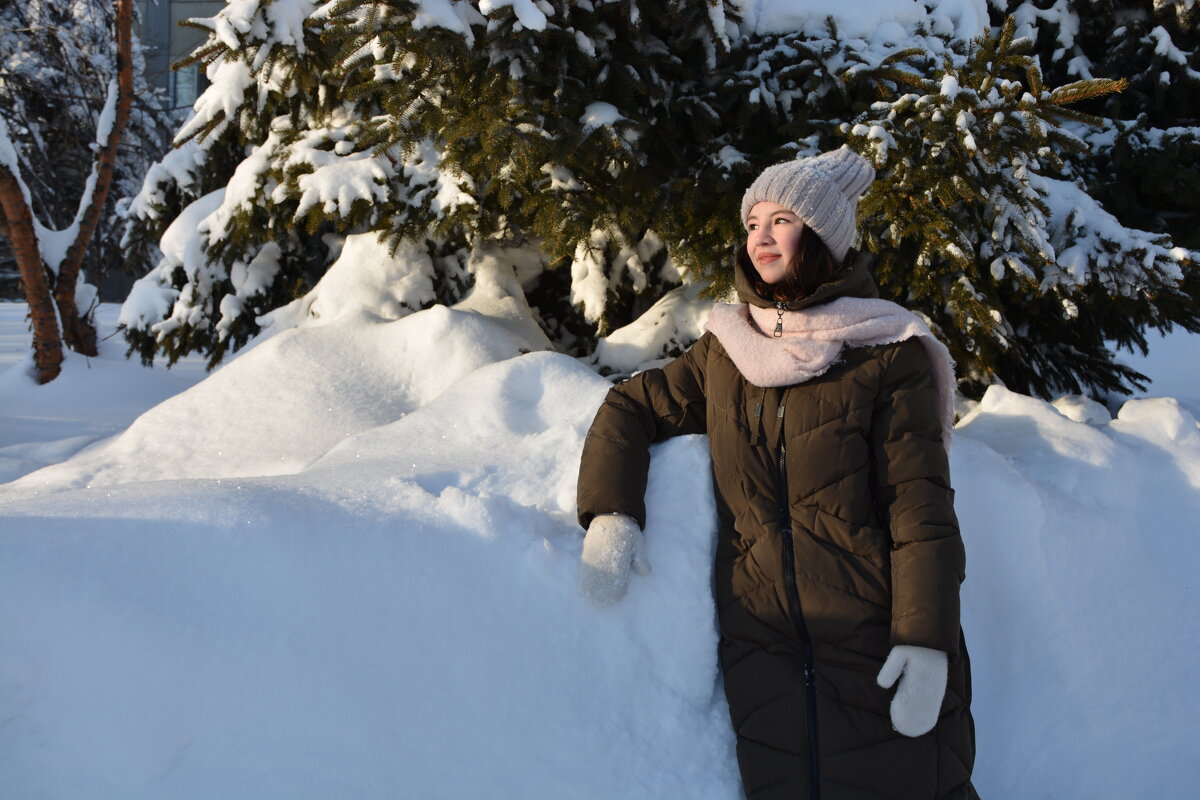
[(219, 104), (1096, 248)]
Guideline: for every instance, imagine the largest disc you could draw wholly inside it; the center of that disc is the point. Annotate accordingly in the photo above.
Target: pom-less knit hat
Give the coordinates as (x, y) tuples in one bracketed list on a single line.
[(822, 190)]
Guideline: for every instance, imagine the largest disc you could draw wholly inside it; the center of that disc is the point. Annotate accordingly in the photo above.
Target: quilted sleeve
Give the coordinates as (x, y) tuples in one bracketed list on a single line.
[(649, 407), (912, 479)]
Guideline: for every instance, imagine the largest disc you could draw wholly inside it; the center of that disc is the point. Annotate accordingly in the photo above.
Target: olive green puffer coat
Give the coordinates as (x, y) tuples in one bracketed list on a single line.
[(837, 540)]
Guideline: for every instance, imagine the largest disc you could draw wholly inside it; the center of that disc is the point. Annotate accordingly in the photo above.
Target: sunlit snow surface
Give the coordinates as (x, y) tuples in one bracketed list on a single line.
[(344, 565)]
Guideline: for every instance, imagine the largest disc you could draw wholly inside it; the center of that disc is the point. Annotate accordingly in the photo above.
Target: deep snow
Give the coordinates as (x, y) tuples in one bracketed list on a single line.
[(344, 564)]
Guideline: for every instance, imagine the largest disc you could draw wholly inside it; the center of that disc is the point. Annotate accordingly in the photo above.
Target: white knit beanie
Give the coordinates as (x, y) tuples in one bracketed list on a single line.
[(822, 190)]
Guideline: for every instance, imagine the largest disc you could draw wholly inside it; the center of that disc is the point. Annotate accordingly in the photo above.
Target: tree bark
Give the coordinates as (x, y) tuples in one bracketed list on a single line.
[(18, 219), (79, 332)]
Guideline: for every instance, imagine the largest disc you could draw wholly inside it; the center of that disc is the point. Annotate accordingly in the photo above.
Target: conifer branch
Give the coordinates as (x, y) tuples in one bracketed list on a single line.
[(1085, 90)]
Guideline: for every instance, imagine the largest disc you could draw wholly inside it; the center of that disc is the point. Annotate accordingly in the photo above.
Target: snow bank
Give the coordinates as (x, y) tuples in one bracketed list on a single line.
[(1079, 604), (398, 615), (364, 279), (93, 398), (290, 399), (351, 361)]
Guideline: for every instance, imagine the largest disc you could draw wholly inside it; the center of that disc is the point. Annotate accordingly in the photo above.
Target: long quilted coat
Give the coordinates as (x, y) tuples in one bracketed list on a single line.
[(837, 539)]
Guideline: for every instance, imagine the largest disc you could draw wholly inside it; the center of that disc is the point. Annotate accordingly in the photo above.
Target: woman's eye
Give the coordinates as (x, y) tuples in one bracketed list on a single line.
[(782, 219)]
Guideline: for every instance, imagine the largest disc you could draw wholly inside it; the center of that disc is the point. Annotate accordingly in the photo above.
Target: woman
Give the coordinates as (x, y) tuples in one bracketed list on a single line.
[(838, 558)]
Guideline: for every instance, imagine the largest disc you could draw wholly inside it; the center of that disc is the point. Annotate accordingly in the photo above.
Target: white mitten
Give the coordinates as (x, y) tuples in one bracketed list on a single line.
[(922, 674), (612, 546)]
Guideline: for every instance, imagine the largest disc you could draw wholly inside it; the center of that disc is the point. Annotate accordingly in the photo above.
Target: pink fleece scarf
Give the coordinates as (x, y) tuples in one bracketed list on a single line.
[(813, 340)]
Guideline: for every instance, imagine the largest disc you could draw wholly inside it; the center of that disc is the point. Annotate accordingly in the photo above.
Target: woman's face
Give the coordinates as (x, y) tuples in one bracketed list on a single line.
[(772, 236)]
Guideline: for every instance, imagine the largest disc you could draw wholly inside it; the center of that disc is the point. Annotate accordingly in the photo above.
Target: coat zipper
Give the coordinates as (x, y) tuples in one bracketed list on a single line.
[(789, 576)]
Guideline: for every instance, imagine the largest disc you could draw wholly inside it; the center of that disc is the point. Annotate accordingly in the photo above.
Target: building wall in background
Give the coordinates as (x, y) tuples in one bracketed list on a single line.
[(166, 42)]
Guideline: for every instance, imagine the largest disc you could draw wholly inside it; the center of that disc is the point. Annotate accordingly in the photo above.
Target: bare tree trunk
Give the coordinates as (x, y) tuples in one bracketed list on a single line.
[(18, 219), (79, 332)]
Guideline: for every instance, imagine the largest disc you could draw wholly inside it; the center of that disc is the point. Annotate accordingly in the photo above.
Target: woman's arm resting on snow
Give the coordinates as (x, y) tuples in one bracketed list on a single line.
[(913, 480), (649, 407)]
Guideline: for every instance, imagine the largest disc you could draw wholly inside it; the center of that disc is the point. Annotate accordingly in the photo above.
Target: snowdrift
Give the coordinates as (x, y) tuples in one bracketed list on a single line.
[(345, 564), (400, 617)]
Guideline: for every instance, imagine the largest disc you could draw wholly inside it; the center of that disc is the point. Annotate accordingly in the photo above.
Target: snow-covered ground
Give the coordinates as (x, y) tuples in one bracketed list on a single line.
[(345, 563)]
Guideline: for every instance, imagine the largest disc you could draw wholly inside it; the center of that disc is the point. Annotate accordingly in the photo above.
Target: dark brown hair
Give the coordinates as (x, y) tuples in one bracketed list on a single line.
[(811, 266)]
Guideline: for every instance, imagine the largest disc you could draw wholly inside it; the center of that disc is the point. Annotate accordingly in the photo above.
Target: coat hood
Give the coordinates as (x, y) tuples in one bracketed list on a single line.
[(853, 281)]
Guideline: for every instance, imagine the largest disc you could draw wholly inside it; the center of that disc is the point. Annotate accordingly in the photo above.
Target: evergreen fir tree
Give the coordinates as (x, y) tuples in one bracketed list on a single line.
[(1144, 161), (603, 146), (1143, 158), (1024, 274), (265, 67), (568, 130)]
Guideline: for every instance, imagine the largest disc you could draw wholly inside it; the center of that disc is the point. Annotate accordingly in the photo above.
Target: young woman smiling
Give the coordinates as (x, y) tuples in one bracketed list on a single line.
[(838, 559)]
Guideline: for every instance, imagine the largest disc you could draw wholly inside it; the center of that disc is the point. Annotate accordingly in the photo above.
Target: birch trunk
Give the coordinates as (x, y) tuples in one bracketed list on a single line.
[(18, 223)]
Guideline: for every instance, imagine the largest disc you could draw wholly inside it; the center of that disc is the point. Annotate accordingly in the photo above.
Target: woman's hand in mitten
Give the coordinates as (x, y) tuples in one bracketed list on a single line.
[(612, 547), (922, 674)]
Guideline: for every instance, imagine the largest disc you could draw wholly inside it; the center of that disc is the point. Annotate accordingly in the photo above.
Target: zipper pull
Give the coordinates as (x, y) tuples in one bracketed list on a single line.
[(756, 423), (779, 322)]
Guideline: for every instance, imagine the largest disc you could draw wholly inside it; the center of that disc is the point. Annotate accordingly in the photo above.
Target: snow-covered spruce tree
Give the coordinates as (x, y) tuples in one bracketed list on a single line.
[(611, 138), (72, 129), (1144, 162), (608, 142), (209, 224), (1025, 275), (574, 125), (568, 127)]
